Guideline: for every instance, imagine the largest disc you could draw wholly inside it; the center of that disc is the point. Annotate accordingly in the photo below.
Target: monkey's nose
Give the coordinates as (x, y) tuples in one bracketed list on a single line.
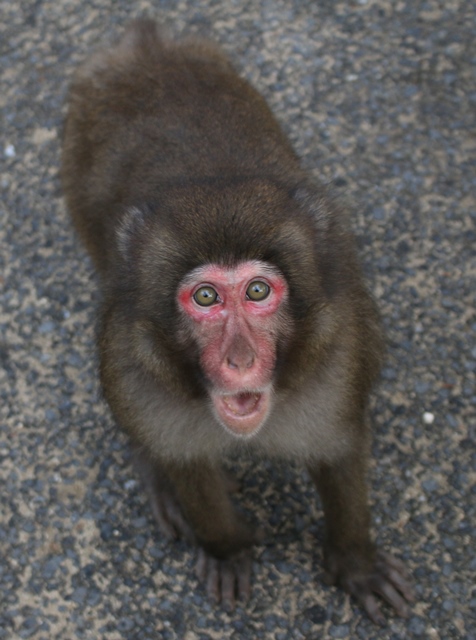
[(240, 355), (240, 361)]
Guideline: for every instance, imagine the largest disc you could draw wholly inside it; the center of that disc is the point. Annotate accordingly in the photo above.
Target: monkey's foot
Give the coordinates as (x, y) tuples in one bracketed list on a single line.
[(388, 578), (225, 581)]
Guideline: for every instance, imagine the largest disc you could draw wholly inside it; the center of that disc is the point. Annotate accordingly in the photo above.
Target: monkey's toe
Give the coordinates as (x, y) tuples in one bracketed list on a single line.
[(387, 579), (169, 516), (226, 581)]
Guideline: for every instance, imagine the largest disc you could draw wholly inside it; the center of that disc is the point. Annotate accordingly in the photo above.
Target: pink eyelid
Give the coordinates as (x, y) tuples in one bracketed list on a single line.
[(229, 285), (221, 298)]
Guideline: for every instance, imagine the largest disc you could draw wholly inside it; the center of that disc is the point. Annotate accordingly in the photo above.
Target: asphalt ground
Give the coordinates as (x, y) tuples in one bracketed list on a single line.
[(379, 99)]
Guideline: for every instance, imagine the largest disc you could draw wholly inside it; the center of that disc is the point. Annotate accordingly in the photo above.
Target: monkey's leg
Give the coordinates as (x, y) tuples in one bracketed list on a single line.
[(191, 498), (164, 504), (351, 559)]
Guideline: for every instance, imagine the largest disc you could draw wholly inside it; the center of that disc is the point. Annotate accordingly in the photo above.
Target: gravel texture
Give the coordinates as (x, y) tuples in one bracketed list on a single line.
[(379, 98)]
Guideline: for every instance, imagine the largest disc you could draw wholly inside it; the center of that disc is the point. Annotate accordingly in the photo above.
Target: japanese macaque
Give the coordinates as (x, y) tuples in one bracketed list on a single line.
[(234, 316)]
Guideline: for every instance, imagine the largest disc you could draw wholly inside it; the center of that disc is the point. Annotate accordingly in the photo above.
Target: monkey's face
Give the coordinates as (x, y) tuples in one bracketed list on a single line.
[(235, 315)]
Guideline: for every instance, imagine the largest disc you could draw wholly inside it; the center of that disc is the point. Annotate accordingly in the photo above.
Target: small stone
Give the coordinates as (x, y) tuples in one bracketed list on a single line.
[(428, 418), (9, 151)]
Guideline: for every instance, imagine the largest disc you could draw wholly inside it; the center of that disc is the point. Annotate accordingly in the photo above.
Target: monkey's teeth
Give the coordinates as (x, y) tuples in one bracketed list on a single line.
[(242, 404), (242, 414)]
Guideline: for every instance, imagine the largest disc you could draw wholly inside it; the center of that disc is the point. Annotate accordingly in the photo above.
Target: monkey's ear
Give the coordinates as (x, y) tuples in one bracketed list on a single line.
[(131, 224), (319, 202)]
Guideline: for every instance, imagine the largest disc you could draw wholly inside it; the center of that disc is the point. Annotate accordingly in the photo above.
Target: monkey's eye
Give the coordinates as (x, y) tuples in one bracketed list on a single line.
[(257, 290), (205, 296)]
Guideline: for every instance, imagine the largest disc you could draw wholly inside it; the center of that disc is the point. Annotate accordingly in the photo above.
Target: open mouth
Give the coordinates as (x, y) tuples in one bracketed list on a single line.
[(242, 404), (244, 412)]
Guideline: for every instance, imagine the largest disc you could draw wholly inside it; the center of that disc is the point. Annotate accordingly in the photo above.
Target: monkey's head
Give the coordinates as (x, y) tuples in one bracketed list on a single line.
[(233, 292)]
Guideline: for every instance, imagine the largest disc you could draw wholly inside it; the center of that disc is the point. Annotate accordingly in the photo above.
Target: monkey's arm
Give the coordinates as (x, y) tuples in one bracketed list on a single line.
[(351, 559), (190, 498), (225, 540)]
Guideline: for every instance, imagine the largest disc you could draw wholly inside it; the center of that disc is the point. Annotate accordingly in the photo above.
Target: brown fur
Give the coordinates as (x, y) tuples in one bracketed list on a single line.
[(172, 161)]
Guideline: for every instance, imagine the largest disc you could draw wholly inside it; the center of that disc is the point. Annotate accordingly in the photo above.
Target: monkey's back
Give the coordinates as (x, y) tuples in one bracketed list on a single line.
[(151, 113)]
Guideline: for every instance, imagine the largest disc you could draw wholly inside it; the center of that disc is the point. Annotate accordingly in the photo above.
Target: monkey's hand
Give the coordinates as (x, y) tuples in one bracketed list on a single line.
[(226, 581), (386, 577)]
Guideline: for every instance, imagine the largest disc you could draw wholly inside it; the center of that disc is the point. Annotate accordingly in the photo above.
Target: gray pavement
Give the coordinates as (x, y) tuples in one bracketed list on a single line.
[(379, 98)]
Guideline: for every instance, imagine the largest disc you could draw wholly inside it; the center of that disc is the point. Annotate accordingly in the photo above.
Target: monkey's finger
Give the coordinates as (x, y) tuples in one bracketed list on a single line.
[(385, 559), (372, 607), (243, 573), (201, 565), (213, 579), (396, 573), (401, 583), (391, 595), (207, 570), (228, 583)]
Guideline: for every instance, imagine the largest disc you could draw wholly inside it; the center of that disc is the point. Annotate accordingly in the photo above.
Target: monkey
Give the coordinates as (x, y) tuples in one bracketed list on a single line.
[(234, 318)]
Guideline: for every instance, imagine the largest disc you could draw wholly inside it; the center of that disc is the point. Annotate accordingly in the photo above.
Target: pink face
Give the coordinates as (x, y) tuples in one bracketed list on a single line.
[(236, 321)]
